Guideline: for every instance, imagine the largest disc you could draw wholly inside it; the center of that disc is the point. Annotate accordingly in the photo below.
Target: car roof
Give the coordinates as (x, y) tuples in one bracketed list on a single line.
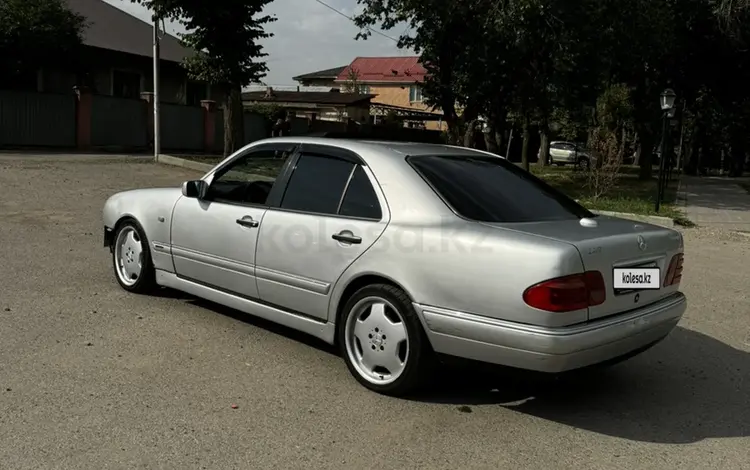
[(385, 148)]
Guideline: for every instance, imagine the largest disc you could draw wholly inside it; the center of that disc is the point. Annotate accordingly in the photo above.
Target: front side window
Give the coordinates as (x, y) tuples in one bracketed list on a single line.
[(490, 189), (249, 178)]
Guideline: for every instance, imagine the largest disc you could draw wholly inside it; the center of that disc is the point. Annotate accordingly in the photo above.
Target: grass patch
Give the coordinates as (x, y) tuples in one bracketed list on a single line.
[(629, 194)]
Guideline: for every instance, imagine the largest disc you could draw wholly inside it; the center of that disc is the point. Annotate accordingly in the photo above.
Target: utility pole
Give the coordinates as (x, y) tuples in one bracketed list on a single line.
[(157, 134)]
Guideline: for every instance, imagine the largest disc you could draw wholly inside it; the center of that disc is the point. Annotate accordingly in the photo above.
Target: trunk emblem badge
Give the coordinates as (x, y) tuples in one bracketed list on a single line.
[(642, 243)]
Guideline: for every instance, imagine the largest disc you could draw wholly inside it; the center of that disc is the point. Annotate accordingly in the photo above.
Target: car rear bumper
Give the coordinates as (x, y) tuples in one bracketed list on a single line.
[(550, 349)]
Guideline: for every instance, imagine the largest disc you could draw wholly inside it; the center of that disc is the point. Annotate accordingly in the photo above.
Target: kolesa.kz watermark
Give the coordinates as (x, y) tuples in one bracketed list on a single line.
[(637, 278)]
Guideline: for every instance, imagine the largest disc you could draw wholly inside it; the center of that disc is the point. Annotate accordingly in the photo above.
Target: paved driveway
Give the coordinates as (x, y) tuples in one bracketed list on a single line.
[(713, 201), (91, 377)]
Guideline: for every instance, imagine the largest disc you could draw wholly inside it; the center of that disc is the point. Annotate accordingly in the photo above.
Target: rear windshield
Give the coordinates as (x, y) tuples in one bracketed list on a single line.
[(491, 189)]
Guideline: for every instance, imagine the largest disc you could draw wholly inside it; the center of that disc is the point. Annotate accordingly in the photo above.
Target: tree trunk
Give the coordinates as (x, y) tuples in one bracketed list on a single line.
[(737, 155), (637, 155), (234, 124), (494, 138), (645, 164), (490, 141), (499, 135), (543, 145), (525, 146), (469, 133), (623, 145)]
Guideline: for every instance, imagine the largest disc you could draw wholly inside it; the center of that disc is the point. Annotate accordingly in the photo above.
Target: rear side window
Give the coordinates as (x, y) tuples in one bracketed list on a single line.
[(317, 184), (490, 189), (360, 199)]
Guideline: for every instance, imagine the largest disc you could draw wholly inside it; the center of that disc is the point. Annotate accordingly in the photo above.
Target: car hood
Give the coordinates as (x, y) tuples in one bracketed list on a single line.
[(148, 194)]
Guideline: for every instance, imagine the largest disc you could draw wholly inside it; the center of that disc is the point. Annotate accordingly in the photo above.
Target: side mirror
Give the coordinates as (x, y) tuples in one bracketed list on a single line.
[(195, 189)]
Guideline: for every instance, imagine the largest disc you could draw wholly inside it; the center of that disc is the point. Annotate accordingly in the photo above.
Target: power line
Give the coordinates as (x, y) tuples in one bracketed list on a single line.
[(352, 20)]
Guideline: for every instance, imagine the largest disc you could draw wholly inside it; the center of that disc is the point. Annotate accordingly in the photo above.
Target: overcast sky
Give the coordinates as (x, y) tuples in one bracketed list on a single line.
[(307, 37)]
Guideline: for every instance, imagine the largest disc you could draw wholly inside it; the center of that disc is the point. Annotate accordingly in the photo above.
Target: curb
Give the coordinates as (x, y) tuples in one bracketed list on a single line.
[(649, 219), (183, 163)]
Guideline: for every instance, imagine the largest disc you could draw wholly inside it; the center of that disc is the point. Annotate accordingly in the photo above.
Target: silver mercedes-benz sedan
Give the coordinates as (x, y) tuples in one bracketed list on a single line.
[(400, 252)]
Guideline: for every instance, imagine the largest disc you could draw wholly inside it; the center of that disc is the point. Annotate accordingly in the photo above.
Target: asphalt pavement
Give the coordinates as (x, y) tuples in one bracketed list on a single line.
[(94, 378)]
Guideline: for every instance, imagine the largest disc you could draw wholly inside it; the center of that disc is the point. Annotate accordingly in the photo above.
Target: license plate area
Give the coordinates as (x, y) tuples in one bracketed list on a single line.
[(640, 277)]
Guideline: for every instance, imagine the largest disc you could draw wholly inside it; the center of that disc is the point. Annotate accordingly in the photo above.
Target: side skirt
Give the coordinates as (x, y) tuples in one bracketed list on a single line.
[(321, 330)]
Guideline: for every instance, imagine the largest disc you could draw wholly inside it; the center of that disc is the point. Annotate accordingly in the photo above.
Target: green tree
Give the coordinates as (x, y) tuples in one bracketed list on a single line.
[(226, 35), (36, 33), (453, 54)]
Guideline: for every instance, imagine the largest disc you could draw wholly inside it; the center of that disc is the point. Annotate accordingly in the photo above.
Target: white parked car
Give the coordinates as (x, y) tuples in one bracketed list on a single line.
[(399, 252)]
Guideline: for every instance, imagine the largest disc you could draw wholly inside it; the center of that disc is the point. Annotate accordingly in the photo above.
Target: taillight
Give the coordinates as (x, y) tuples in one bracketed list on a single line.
[(567, 293), (674, 272)]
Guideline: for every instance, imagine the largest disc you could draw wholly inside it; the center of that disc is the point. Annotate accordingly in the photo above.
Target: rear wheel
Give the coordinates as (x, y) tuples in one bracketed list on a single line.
[(584, 164), (131, 259), (382, 341)]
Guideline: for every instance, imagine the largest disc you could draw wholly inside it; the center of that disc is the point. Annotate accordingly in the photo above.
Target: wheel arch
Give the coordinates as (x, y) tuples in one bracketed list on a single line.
[(355, 284), (118, 223)]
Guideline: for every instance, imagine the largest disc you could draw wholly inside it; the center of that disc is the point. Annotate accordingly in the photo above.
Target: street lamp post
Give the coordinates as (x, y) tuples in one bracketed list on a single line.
[(156, 96), (666, 101)]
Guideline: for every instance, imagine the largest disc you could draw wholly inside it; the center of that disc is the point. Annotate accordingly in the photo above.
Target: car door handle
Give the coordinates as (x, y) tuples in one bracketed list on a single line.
[(247, 221), (346, 238)]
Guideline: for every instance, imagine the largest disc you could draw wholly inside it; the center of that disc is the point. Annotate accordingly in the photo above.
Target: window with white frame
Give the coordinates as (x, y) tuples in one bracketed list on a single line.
[(415, 94)]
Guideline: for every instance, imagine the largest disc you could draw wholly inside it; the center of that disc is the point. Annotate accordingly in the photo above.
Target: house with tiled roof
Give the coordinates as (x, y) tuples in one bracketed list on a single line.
[(321, 78), (117, 59), (396, 83)]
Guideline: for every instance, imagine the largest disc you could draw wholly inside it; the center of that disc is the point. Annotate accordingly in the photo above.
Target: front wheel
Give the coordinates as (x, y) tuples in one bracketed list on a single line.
[(383, 342), (131, 259)]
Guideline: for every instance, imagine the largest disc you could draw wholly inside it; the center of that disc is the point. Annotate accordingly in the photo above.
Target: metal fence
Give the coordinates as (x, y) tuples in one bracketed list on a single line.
[(182, 127), (119, 122), (256, 127), (37, 119)]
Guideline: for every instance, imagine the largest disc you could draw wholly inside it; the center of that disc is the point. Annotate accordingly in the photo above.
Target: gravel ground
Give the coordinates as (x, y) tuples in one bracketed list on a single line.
[(92, 377)]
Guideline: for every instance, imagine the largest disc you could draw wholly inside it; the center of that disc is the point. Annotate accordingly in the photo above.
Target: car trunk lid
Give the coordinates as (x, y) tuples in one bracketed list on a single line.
[(606, 243)]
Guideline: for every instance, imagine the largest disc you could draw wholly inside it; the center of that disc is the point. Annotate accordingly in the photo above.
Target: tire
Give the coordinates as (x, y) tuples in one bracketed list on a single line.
[(584, 164), (395, 366), (131, 259)]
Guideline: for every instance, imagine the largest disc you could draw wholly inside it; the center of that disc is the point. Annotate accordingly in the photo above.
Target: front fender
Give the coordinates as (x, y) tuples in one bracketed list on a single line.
[(152, 209)]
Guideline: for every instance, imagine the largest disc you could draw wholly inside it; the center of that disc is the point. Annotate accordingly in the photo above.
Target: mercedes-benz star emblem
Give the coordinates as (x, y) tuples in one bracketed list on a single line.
[(642, 243)]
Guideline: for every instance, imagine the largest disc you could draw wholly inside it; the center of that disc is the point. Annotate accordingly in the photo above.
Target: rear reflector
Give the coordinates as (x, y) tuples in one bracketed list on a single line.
[(568, 293), (674, 272)]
